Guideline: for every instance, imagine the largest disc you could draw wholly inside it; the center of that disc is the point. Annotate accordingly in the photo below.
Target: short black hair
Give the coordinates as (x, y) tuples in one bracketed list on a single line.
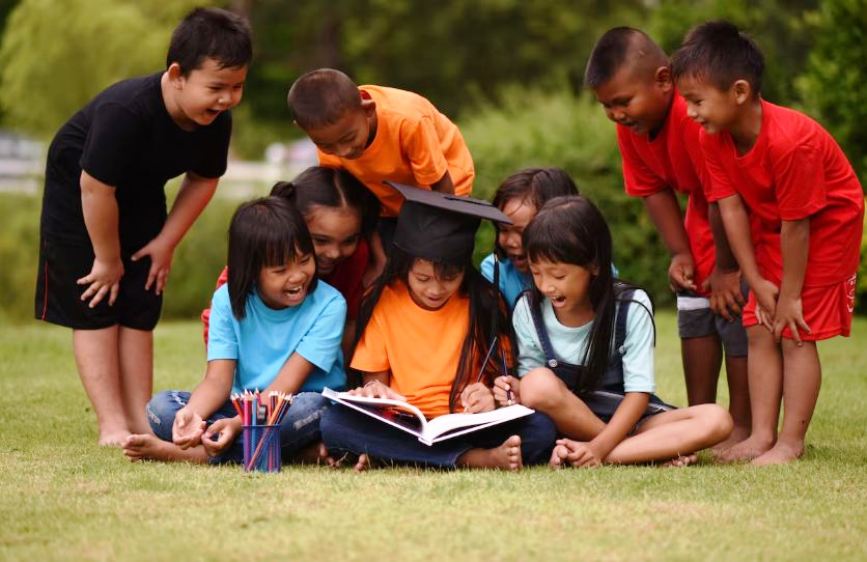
[(717, 51), (318, 186), (264, 232), (535, 186), (616, 47), (210, 33), (321, 97)]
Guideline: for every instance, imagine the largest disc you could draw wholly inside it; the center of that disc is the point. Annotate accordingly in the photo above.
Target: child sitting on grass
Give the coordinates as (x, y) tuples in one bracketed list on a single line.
[(585, 352), (272, 327)]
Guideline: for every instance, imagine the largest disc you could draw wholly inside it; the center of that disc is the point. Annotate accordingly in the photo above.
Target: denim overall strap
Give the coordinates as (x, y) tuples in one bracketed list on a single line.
[(536, 313)]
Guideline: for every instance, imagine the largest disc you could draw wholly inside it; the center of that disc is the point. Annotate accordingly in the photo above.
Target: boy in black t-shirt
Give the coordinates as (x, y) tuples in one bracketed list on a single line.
[(106, 241)]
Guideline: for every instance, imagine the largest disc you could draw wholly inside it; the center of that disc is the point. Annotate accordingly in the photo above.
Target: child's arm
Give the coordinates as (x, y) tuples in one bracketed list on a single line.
[(206, 399), (194, 195), (625, 417), (376, 263), (375, 385), (795, 242), (725, 281), (664, 211), (444, 185), (99, 207), (737, 227)]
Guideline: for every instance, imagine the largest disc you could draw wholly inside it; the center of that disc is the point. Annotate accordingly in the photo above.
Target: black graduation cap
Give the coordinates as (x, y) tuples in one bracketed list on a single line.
[(439, 226)]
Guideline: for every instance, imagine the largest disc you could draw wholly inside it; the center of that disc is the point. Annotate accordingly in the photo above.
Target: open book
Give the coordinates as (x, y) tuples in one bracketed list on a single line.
[(407, 417)]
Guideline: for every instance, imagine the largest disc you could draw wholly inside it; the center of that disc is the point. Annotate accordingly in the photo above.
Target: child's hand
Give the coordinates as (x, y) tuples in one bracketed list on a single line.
[(579, 454), (225, 430), (507, 390), (377, 389), (790, 315), (161, 253), (766, 299), (477, 398), (681, 272), (726, 298), (104, 278), (187, 428)]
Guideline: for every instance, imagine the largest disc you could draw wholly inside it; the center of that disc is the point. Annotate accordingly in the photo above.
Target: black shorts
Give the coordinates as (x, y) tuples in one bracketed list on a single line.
[(58, 296)]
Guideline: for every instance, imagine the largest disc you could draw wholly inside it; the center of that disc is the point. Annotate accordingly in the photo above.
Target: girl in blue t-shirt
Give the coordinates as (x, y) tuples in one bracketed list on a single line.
[(272, 327), (585, 351), (520, 197)]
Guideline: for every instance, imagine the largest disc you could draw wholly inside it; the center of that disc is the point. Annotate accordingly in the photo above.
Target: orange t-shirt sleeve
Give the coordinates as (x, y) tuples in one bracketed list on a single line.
[(327, 160), (371, 353), (425, 154)]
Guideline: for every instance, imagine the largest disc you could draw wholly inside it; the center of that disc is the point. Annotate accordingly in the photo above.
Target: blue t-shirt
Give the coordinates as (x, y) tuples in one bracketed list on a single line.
[(570, 343), (265, 339), (512, 281)]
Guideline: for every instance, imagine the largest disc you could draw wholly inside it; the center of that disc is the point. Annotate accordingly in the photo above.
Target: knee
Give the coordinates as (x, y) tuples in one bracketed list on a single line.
[(161, 410), (717, 421), (541, 389)]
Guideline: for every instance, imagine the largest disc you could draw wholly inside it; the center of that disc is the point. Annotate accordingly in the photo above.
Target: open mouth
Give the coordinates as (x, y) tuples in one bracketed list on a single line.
[(558, 301)]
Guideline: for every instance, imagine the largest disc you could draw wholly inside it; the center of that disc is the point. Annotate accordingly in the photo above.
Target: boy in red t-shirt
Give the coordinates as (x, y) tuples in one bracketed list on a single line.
[(379, 134), (793, 209), (631, 78)]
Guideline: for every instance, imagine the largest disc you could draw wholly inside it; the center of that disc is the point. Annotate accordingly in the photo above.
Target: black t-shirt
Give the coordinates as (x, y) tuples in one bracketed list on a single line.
[(126, 138)]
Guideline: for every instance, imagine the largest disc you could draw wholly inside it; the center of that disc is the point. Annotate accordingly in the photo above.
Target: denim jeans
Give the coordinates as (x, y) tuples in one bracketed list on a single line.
[(299, 428), (346, 431)]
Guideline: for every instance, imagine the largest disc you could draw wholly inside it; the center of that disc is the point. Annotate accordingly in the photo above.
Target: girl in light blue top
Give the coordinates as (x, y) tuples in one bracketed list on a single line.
[(520, 197), (585, 351), (273, 326)]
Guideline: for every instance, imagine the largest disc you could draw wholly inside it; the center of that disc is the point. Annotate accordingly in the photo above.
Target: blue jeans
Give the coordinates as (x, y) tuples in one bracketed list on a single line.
[(299, 428), (346, 431)]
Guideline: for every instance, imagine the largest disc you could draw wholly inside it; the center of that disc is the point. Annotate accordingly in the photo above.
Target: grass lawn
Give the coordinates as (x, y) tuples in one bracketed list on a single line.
[(64, 498)]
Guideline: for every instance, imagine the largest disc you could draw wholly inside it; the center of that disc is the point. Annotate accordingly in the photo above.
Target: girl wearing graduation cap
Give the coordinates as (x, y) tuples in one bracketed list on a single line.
[(423, 334)]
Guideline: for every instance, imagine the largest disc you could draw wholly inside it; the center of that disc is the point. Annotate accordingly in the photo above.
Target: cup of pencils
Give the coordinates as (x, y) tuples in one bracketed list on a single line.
[(261, 417)]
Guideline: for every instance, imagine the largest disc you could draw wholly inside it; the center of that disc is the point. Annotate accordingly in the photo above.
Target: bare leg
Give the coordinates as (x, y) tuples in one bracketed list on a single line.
[(802, 378), (136, 375), (542, 390), (765, 365), (702, 359), (96, 355), (506, 457), (739, 402), (674, 435), (151, 447)]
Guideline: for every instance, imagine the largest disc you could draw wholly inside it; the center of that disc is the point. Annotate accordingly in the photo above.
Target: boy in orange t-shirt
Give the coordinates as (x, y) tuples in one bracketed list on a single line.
[(377, 134), (793, 210)]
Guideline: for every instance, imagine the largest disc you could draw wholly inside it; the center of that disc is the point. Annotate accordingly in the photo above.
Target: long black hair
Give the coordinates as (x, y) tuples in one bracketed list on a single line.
[(264, 232), (330, 187), (484, 299), (572, 230), (534, 186)]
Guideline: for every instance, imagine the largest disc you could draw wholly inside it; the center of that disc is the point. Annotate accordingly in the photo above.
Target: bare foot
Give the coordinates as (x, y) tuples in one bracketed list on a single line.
[(746, 450), (505, 457), (558, 457), (113, 438), (362, 464), (681, 461), (150, 447), (316, 453), (780, 453), (738, 434)]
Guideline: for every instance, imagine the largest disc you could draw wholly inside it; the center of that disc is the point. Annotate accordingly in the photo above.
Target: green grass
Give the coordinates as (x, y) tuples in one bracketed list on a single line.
[(64, 498)]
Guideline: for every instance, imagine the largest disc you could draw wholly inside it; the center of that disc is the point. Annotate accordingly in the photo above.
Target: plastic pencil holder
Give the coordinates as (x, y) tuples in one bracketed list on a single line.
[(262, 448)]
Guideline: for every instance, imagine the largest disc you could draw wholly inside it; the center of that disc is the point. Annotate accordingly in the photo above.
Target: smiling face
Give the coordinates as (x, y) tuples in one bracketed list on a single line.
[(635, 99), (349, 135), (520, 212), (429, 291), (195, 100), (335, 232), (714, 109), (567, 286), (285, 285)]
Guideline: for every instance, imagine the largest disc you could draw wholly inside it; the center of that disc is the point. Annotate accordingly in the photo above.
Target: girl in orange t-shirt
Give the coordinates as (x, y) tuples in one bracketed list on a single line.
[(421, 336)]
